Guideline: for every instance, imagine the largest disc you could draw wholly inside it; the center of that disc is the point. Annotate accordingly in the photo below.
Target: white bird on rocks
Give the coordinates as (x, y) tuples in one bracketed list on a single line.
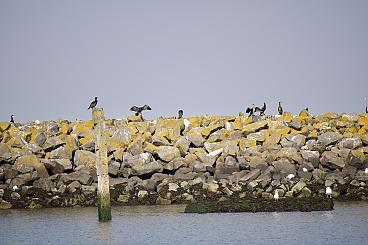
[(328, 191), (15, 188), (276, 196), (366, 171), (290, 176), (305, 170)]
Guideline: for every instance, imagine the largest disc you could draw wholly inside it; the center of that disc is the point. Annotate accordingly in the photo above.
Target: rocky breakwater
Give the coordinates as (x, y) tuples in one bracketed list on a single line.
[(52, 163)]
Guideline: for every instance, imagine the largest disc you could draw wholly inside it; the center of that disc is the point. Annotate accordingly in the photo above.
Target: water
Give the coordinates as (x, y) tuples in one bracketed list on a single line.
[(347, 224)]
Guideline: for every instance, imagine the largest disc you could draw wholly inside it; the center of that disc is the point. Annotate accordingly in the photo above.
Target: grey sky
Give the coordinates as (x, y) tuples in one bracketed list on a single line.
[(205, 57)]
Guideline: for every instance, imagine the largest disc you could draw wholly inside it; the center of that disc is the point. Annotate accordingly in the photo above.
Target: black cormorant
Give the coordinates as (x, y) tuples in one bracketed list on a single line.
[(279, 109), (93, 104), (180, 114), (261, 110), (250, 110), (138, 110)]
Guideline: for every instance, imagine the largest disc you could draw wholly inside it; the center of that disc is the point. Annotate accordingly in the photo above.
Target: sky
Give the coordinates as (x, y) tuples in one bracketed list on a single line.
[(204, 57)]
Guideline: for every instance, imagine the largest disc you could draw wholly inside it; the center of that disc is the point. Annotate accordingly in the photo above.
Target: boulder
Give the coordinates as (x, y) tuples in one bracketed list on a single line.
[(168, 153), (296, 141), (62, 152), (9, 171), (284, 167), (350, 143), (183, 145), (311, 156), (44, 183), (39, 138), (84, 177), (254, 127), (114, 168), (85, 158), (297, 188), (4, 204), (257, 162), (5, 153), (332, 160), (146, 168), (329, 138), (29, 162), (73, 187), (195, 137), (52, 143), (361, 176), (225, 169), (252, 175), (4, 126)]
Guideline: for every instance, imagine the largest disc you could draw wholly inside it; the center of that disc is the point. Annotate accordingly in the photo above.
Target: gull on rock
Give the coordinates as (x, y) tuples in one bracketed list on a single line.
[(328, 191), (276, 196), (305, 170)]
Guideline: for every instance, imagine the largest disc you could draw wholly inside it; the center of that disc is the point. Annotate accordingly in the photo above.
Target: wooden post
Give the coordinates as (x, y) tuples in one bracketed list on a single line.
[(103, 191)]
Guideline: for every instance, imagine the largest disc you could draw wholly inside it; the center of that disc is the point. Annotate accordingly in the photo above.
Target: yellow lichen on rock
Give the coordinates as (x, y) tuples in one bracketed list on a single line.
[(4, 126), (286, 117)]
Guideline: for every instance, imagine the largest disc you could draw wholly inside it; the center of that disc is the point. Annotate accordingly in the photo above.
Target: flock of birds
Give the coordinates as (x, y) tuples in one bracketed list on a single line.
[(250, 110)]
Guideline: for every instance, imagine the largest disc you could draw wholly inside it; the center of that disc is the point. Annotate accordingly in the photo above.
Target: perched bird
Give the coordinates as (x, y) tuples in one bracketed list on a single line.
[(250, 110), (261, 110), (12, 118), (305, 170), (15, 188), (328, 191), (276, 196), (93, 104), (279, 109), (138, 110), (180, 114)]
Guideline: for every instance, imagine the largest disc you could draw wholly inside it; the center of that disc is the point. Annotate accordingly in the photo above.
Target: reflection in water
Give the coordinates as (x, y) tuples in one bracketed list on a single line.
[(347, 224)]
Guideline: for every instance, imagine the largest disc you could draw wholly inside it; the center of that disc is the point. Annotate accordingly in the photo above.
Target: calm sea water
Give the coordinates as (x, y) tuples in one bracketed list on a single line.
[(347, 224)]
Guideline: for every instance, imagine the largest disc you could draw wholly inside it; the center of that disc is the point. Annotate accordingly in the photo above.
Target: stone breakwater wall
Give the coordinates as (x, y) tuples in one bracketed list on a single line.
[(52, 163)]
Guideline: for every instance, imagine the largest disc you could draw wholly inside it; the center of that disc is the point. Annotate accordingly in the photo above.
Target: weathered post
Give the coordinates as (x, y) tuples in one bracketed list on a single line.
[(103, 192)]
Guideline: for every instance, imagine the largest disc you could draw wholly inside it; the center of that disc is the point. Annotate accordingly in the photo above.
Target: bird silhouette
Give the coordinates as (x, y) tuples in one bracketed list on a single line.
[(250, 110), (138, 110), (261, 110), (180, 114), (280, 109), (93, 104)]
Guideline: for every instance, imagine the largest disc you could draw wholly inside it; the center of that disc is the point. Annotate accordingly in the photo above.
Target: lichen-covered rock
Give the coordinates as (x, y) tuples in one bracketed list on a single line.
[(4, 126), (29, 162), (254, 127), (168, 153), (5, 153), (297, 141), (52, 143), (195, 137), (85, 158)]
